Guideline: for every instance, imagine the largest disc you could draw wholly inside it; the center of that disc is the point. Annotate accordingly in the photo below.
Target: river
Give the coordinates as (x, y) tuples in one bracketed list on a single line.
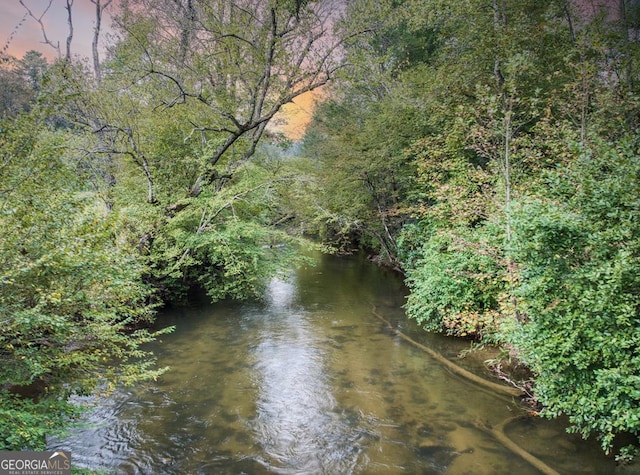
[(308, 381)]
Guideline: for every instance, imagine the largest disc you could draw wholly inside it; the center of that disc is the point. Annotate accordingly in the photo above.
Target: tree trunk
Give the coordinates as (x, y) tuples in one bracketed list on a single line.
[(100, 8), (68, 7)]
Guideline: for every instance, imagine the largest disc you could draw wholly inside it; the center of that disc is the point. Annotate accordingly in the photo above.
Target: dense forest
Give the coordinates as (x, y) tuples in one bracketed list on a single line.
[(486, 149)]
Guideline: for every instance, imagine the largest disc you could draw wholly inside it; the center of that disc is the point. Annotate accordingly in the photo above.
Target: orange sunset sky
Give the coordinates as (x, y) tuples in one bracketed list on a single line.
[(21, 33)]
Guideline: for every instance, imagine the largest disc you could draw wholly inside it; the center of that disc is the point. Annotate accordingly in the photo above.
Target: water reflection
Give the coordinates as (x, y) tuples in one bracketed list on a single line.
[(308, 382), (296, 422)]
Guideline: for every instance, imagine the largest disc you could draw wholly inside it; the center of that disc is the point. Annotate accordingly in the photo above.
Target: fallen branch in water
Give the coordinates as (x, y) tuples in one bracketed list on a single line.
[(499, 388), (499, 434)]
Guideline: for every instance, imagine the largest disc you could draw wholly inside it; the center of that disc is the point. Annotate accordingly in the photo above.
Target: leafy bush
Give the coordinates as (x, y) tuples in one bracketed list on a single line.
[(456, 284), (579, 249), (71, 300), (225, 240), (25, 423)]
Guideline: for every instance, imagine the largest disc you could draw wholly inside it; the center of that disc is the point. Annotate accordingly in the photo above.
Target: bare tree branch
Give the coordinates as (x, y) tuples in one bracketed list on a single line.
[(38, 19), (261, 56)]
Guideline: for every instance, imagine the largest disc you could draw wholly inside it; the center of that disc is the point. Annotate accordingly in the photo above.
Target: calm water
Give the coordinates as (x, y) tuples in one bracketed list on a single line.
[(309, 382)]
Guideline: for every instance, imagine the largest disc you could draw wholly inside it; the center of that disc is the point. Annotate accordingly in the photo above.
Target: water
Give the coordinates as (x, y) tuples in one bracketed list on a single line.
[(309, 382)]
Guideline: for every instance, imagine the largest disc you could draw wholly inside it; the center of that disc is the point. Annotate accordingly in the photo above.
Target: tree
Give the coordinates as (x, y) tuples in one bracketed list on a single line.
[(163, 140), (40, 20), (488, 94), (167, 134), (72, 300), (362, 178), (548, 136), (142, 162), (360, 165), (21, 81), (101, 6), (242, 60)]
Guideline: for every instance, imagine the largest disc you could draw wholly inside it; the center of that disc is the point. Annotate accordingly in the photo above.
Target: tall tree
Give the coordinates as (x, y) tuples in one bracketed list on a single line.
[(242, 59), (22, 80), (360, 164), (185, 98)]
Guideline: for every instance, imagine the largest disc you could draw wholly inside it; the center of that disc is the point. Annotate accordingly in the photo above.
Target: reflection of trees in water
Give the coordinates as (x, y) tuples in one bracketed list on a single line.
[(348, 280)]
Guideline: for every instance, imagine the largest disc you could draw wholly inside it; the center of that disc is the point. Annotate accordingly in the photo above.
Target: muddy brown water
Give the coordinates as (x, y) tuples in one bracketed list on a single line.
[(309, 382)]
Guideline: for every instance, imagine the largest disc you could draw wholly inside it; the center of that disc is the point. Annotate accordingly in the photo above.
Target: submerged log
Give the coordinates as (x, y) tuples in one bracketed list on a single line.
[(454, 368), (499, 434)]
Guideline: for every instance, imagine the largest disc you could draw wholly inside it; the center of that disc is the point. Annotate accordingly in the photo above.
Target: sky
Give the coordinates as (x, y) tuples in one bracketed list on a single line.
[(24, 33), (297, 115)]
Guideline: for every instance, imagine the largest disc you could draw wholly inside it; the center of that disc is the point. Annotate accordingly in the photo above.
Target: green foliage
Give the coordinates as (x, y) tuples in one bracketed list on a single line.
[(241, 61), (489, 158), (453, 186), (362, 175), (70, 299), (579, 250), (225, 241), (516, 217), (20, 82), (359, 134), (361, 172), (456, 283), (25, 423)]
